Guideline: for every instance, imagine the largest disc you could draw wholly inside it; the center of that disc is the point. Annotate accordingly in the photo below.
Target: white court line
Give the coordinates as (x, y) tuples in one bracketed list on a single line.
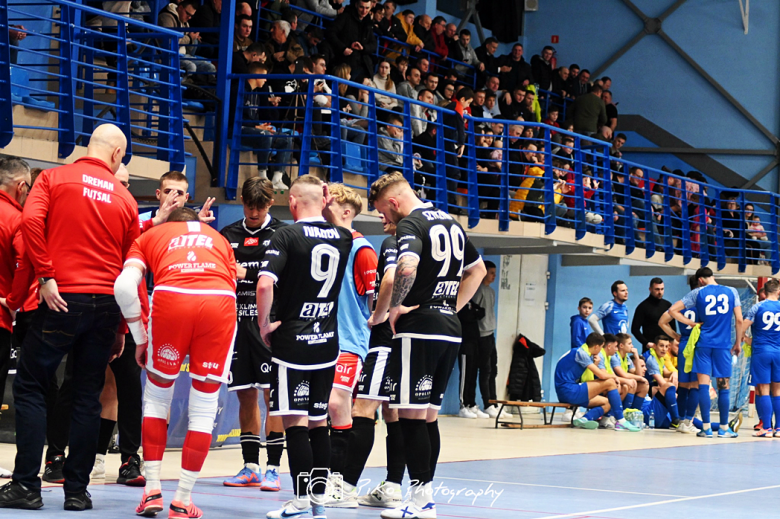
[(605, 510), (558, 486)]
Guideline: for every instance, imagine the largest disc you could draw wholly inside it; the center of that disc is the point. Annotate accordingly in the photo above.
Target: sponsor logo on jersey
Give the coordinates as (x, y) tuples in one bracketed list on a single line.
[(168, 354), (301, 393), (191, 240), (251, 242), (345, 368), (98, 196), (320, 405), (316, 327), (191, 256), (272, 252), (192, 267), (446, 289), (234, 245), (315, 338), (96, 182), (316, 311), (266, 243), (265, 367), (436, 215), (324, 234), (423, 388), (211, 365)]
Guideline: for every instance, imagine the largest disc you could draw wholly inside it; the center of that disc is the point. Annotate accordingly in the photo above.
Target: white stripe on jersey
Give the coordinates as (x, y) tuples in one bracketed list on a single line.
[(304, 367), (406, 354), (379, 371), (427, 337), (284, 398)]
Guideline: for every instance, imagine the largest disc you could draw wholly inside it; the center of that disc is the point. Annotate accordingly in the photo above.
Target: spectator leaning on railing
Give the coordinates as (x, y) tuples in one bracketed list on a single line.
[(542, 68), (560, 82), (352, 38), (390, 24), (390, 142), (589, 112), (437, 33), (467, 54), (406, 19), (451, 40), (422, 28)]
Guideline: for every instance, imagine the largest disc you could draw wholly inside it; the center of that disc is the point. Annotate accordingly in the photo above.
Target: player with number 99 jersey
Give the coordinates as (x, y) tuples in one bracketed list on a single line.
[(307, 261), (765, 360)]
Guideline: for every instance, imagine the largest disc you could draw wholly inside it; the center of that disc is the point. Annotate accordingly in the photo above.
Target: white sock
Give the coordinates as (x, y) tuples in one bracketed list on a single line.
[(706, 426), (422, 494), (271, 467), (254, 467), (262, 173), (187, 480), (687, 422), (152, 474)]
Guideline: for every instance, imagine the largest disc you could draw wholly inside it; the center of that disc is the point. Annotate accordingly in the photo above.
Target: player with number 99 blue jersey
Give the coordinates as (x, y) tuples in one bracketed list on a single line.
[(764, 320)]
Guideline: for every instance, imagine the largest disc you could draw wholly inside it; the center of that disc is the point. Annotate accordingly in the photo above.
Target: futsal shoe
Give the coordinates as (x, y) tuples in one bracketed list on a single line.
[(625, 425), (726, 433), (758, 426), (736, 422), (410, 511), (341, 497), (385, 495), (705, 433), (150, 505), (777, 433), (246, 477), (687, 428), (294, 508), (271, 481), (763, 433), (584, 423), (179, 510)]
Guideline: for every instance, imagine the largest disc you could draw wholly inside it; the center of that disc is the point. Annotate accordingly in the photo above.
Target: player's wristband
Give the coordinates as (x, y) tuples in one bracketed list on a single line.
[(138, 330)]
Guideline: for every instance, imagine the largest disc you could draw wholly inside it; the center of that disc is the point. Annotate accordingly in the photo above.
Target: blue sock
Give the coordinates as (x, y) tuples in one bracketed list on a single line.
[(704, 402), (628, 401), (671, 403), (776, 408), (692, 404), (764, 408), (723, 406), (682, 399), (615, 404), (697, 423), (594, 414)]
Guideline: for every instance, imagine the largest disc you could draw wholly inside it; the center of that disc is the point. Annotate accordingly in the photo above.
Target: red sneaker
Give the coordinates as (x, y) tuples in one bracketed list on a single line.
[(150, 505), (758, 426), (179, 510)]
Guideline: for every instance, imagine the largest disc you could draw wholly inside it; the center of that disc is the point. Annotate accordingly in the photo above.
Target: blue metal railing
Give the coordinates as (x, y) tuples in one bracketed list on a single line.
[(496, 169), (127, 74)]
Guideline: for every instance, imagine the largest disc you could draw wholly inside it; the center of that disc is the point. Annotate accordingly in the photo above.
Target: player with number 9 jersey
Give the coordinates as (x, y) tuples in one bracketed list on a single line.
[(714, 305)]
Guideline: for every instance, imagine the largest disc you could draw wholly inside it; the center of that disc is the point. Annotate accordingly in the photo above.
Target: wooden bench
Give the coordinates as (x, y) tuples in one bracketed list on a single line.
[(543, 405)]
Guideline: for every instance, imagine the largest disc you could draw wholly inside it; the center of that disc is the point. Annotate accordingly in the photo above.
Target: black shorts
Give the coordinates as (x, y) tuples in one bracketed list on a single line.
[(301, 392), (375, 382), (420, 370), (251, 366)]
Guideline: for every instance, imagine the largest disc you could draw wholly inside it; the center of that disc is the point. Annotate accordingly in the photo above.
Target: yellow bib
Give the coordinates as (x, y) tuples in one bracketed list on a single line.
[(691, 347), (588, 375), (623, 362)]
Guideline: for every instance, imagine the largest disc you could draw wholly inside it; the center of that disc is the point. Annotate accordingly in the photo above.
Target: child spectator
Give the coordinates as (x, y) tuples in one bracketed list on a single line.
[(552, 118), (580, 329)]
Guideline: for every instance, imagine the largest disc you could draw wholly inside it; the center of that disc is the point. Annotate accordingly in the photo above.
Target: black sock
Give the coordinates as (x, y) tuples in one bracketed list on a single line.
[(417, 446), (361, 441), (396, 460), (321, 458), (299, 455), (433, 434), (250, 447), (339, 442), (105, 435), (274, 444)]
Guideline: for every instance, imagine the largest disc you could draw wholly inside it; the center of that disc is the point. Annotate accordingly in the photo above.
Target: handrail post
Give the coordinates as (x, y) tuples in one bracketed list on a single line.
[(473, 179), (337, 155), (742, 253), (579, 191), (123, 89), (721, 246), (67, 103), (303, 167), (609, 206), (704, 244), (172, 140), (667, 209), (407, 141), (224, 71), (649, 220), (773, 236), (441, 166), (6, 107), (550, 218), (503, 195), (686, 228), (231, 180), (373, 140)]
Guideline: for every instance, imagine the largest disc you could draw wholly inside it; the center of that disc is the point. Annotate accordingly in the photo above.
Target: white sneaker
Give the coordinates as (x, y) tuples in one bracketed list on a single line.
[(505, 414), (492, 411), (607, 422), (687, 428), (385, 495), (479, 413), (5, 473), (567, 416), (99, 470), (465, 412), (341, 497), (410, 510), (293, 508), (278, 184)]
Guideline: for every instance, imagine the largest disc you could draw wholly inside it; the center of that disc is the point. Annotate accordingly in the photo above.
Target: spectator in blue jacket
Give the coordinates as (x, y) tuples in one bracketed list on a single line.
[(579, 323)]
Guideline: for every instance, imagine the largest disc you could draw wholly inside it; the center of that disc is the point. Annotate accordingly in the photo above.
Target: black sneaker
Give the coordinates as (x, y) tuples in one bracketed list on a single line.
[(78, 501), (130, 473), (53, 471), (16, 495)]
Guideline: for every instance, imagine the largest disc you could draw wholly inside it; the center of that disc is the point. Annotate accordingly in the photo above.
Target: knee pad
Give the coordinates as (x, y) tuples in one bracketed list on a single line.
[(202, 410), (157, 400)]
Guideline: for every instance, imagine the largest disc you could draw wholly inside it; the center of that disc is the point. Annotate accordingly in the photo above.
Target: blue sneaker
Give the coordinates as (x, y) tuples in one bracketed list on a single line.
[(245, 478), (705, 433), (584, 423), (727, 433), (271, 481)]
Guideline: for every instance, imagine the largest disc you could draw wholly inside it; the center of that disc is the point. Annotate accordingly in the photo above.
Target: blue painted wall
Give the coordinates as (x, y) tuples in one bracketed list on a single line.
[(652, 80), (567, 285)]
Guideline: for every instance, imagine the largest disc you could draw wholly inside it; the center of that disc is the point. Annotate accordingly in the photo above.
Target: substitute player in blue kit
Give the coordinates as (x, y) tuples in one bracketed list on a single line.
[(714, 306), (764, 317), (612, 314)]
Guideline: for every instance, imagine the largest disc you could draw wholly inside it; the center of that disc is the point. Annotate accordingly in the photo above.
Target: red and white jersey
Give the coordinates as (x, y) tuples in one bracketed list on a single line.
[(186, 257)]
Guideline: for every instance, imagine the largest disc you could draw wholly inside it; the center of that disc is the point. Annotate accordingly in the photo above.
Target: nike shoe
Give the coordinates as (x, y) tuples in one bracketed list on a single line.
[(99, 470), (675, 424), (53, 471), (246, 477), (340, 497), (736, 422), (385, 495), (625, 425), (584, 423), (293, 508), (179, 510), (726, 433), (150, 505), (763, 433), (465, 412), (705, 433), (271, 481), (410, 511), (479, 413), (318, 511)]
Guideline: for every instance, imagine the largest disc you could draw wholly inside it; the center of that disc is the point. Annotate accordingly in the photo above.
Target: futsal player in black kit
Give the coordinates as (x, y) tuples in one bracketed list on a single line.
[(307, 262), (250, 370), (437, 272)]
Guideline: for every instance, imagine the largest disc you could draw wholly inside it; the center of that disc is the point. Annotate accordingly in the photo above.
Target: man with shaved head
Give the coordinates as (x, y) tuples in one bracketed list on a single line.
[(306, 261), (78, 225)]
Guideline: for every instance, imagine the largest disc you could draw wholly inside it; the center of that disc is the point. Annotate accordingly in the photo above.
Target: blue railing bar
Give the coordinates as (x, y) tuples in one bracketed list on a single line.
[(38, 90)]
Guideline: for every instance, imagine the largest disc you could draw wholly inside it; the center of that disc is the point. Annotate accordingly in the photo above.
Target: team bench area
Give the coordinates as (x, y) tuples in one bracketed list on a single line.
[(518, 404)]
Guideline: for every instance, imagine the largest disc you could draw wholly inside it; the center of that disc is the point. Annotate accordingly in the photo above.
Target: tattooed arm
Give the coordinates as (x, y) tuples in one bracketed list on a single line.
[(405, 274)]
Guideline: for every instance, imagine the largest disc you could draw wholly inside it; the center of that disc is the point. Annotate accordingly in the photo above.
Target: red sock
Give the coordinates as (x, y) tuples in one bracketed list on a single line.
[(155, 435), (196, 448)]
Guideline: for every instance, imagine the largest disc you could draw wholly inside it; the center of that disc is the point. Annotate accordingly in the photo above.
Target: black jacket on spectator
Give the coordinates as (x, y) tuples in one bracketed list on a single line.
[(577, 88), (455, 50), (393, 28), (207, 17), (454, 128), (347, 29), (521, 71), (524, 383), (491, 62), (559, 85), (542, 71), (425, 145), (271, 48), (469, 322), (425, 36)]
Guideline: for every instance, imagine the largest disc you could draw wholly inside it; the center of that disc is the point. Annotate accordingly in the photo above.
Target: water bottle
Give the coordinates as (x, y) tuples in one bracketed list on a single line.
[(652, 419)]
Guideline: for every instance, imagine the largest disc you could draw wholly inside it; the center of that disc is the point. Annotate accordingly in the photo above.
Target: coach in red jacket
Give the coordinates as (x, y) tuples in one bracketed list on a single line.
[(78, 225)]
